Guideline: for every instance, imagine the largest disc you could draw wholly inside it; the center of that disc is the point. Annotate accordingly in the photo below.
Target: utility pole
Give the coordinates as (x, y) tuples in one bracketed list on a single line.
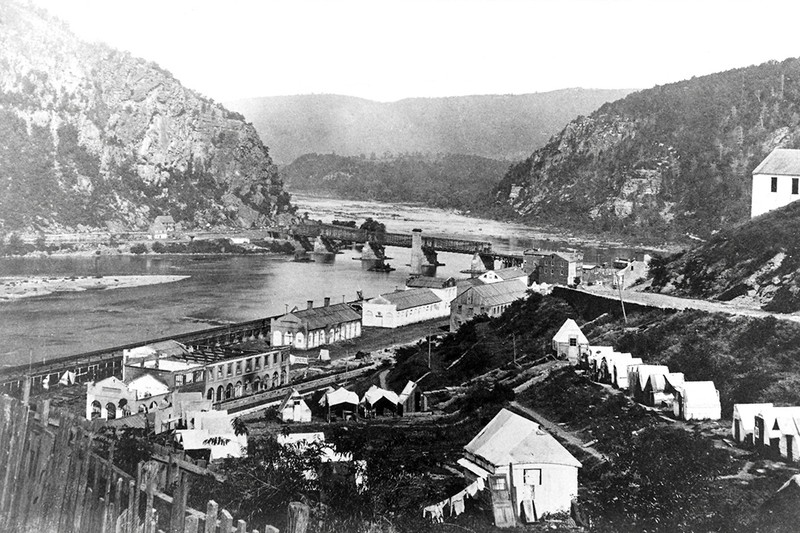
[(514, 341), (621, 301), (429, 350)]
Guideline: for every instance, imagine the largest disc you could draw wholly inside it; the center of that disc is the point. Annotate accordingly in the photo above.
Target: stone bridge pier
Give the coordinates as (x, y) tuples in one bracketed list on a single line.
[(423, 258)]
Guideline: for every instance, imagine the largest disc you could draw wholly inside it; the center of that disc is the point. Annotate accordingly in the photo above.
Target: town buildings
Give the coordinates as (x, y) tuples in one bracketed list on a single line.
[(316, 326), (112, 397), (527, 472), (490, 300), (400, 308), (776, 181), (505, 274), (553, 268), (162, 227), (444, 288)]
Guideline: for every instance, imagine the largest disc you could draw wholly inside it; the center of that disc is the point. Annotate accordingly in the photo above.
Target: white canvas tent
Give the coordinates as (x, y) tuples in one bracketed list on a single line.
[(697, 400), (744, 420)]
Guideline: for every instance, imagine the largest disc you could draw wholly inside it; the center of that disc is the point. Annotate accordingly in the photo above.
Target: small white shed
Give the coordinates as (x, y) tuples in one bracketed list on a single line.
[(570, 341), (294, 408)]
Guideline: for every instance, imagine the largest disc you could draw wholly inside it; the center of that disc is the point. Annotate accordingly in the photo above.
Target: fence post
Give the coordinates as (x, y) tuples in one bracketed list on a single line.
[(297, 521), (211, 517), (191, 525), (178, 515), (225, 522)]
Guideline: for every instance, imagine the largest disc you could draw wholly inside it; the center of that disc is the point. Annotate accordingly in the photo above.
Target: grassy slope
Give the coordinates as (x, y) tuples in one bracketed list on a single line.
[(722, 267)]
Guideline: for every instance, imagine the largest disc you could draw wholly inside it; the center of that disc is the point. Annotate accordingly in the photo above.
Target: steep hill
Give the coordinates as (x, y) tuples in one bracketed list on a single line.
[(493, 126), (676, 158), (90, 135), (449, 181), (758, 261)]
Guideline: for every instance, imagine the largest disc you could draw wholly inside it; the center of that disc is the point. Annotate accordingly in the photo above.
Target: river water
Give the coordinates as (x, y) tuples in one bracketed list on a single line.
[(225, 289)]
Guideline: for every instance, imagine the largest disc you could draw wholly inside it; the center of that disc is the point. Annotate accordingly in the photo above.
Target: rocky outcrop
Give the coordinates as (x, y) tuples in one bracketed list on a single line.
[(91, 135), (664, 162)]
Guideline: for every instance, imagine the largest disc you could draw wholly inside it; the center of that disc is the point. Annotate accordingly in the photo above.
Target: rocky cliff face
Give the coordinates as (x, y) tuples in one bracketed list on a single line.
[(90, 135), (662, 162)]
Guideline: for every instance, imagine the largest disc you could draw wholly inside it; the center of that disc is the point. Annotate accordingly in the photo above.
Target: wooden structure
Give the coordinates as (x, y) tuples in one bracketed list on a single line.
[(52, 480)]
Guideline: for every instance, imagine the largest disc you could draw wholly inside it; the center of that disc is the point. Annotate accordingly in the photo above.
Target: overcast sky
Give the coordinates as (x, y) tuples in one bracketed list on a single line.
[(392, 49)]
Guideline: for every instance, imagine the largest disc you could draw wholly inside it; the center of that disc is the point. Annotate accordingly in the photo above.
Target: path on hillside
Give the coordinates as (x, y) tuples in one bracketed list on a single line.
[(665, 301), (557, 431)]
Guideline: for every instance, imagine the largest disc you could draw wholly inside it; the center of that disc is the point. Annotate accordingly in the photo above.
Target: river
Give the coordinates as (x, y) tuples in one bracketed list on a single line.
[(225, 289)]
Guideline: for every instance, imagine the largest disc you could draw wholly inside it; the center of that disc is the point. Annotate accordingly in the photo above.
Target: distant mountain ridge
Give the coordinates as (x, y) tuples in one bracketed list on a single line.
[(661, 162), (491, 126), (91, 136), (447, 181)]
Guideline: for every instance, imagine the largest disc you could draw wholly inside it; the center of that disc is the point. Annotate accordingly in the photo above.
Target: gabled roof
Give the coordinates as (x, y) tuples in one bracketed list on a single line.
[(780, 161), (622, 363), (427, 282), (658, 382), (293, 395), (645, 371), (510, 438), (568, 329), (147, 384), (407, 391), (407, 299), (164, 219), (673, 381), (697, 393), (747, 413), (340, 396), (500, 293), (322, 317), (375, 393)]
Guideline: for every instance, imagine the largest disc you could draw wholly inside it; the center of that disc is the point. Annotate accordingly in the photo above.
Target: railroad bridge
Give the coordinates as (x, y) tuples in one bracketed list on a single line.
[(424, 248)]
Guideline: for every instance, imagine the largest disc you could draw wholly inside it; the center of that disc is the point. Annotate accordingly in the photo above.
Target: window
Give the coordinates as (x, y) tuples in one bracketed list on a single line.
[(230, 369), (257, 362), (794, 185), (220, 372), (211, 374), (178, 380), (533, 476), (238, 367), (573, 341), (498, 483), (774, 185)]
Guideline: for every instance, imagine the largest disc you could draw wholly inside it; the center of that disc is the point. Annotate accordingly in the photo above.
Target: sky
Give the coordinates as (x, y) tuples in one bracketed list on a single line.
[(388, 50)]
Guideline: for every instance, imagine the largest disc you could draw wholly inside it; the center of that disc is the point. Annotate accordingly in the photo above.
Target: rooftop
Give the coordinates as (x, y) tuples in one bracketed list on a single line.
[(511, 438), (780, 161), (499, 293), (428, 282), (321, 317), (408, 299)]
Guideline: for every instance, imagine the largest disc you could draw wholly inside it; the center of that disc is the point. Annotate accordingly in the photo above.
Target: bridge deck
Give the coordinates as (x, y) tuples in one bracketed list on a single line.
[(402, 240)]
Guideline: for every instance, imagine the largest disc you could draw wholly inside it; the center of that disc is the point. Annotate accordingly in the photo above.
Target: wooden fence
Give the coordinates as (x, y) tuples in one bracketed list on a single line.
[(51, 481)]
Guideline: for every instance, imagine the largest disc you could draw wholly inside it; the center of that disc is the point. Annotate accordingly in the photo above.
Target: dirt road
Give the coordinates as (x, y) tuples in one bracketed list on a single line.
[(664, 301)]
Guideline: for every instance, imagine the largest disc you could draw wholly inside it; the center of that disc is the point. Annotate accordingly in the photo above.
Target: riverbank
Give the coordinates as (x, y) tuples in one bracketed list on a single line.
[(516, 236), (17, 287)]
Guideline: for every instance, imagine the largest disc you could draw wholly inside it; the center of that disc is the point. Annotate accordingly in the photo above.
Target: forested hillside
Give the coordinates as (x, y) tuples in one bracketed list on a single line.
[(446, 180), (494, 126), (90, 135), (664, 161)]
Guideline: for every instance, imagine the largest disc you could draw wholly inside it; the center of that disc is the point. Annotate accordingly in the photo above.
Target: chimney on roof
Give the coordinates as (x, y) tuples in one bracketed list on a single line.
[(310, 304), (327, 301)]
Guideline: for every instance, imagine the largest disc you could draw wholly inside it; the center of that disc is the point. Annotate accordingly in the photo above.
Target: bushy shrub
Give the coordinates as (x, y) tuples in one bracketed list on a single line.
[(139, 248)]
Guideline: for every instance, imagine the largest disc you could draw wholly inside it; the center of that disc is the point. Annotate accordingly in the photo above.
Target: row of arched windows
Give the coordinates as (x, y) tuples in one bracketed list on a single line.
[(247, 387)]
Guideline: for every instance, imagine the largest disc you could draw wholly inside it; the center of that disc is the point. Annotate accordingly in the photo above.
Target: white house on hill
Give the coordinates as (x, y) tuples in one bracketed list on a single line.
[(776, 181), (526, 471)]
